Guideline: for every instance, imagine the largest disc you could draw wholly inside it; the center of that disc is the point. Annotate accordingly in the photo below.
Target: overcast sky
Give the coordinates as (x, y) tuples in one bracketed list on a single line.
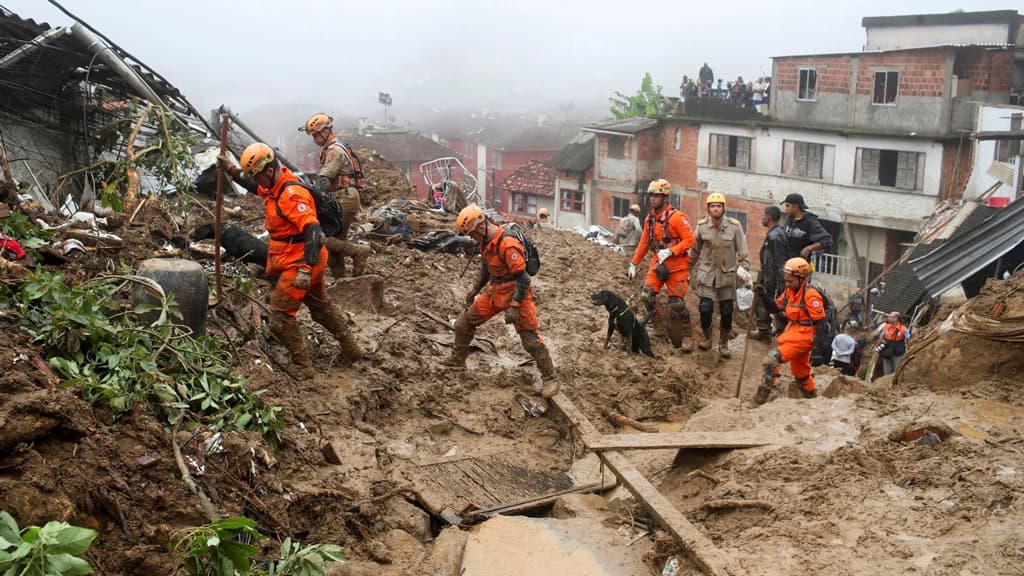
[(507, 55)]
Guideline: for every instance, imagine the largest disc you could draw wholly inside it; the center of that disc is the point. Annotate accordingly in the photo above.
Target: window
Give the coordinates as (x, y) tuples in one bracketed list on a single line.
[(808, 160), (620, 207), (892, 168), (731, 151), (885, 89), (679, 139), (572, 200), (524, 203), (496, 160), (1008, 150), (739, 215), (616, 147), (808, 84), (675, 199)]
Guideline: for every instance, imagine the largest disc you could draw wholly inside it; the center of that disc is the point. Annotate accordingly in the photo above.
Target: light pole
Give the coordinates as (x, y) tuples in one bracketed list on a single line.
[(385, 99)]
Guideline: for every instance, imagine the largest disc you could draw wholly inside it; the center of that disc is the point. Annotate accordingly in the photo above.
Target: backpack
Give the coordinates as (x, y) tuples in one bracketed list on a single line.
[(532, 255), (827, 329), (357, 164), (328, 210)]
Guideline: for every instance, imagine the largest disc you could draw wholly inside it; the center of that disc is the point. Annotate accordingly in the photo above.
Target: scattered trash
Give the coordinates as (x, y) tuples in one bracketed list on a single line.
[(20, 357), (214, 445), (197, 467), (146, 460), (671, 567), (929, 438), (531, 406)]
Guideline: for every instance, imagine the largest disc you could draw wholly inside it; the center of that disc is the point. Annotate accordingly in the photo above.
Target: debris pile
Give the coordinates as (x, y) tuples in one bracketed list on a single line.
[(383, 181)]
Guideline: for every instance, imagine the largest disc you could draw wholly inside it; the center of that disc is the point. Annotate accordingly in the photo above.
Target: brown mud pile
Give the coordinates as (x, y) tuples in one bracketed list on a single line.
[(836, 493)]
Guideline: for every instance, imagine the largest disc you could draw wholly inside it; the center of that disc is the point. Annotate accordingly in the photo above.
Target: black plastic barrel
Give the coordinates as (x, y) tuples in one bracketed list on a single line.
[(183, 278)]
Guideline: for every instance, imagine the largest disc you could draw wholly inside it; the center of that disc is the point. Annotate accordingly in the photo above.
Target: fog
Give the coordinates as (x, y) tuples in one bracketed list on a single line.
[(438, 56)]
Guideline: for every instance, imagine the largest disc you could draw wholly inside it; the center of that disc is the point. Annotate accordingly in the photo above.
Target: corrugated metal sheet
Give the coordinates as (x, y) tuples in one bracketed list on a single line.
[(964, 255)]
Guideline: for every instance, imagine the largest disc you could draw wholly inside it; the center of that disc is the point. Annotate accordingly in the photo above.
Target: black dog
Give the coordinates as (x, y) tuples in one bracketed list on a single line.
[(621, 317), (237, 243)]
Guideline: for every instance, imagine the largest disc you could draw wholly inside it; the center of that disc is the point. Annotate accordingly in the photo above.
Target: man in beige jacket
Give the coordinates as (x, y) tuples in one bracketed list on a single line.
[(719, 255)]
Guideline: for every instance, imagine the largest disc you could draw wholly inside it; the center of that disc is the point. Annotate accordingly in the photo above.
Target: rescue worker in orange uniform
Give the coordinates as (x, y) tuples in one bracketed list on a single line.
[(502, 286), (296, 258), (338, 174), (667, 235), (804, 308)]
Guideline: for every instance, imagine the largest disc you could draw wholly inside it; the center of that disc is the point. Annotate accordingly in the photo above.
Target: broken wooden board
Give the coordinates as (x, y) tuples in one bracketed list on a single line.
[(698, 547), (484, 482), (732, 439)]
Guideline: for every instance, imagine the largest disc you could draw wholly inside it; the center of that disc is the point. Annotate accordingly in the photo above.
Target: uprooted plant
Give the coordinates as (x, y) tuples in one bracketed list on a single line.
[(52, 550), (120, 359), (224, 548)]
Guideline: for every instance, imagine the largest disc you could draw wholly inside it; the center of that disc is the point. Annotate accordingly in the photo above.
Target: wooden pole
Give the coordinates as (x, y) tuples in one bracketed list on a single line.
[(220, 206), (751, 319)]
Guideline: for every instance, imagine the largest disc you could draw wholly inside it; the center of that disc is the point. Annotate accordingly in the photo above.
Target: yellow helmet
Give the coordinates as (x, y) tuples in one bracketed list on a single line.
[(716, 198), (255, 158), (317, 122), (635, 208), (659, 186), (543, 213), (797, 267), (469, 219)]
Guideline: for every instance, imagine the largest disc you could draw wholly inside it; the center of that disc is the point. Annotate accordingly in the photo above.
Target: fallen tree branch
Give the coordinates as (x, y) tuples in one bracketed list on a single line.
[(622, 421), (735, 503), (131, 195), (186, 477)]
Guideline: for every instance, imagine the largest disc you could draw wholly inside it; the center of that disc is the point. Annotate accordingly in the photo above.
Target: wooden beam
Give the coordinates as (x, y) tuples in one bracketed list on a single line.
[(734, 439), (700, 549)]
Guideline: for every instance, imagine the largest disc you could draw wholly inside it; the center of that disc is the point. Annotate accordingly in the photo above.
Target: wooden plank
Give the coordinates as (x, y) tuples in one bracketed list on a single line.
[(732, 439), (700, 549)]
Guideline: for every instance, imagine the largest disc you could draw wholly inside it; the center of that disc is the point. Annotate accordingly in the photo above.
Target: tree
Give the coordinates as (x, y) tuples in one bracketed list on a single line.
[(648, 100)]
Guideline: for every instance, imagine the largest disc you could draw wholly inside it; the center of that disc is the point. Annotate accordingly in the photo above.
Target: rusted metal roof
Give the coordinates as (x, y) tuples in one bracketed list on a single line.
[(534, 178)]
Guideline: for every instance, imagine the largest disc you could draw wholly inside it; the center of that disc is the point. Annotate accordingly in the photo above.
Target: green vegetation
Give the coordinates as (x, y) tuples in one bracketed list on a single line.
[(120, 360), (647, 101), (52, 550), (221, 549)]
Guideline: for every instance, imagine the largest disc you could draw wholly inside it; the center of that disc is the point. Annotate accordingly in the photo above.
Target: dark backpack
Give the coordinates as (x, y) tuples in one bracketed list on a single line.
[(532, 255), (328, 210), (827, 329)]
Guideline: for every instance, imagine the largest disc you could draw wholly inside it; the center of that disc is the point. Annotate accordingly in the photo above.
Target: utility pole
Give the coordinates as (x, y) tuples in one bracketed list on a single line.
[(385, 99)]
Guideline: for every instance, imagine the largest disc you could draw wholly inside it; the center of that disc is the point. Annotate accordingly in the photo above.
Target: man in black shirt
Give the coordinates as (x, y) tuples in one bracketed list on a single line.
[(804, 231)]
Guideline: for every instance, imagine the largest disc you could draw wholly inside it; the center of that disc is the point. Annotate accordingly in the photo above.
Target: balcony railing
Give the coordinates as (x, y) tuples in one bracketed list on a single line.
[(833, 265)]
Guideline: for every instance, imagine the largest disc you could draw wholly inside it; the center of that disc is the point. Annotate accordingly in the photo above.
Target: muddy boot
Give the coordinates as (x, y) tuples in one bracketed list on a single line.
[(802, 383), (705, 341), (287, 330), (547, 372), (327, 315), (723, 345), (335, 256), (460, 349), (360, 254), (761, 396), (770, 362)]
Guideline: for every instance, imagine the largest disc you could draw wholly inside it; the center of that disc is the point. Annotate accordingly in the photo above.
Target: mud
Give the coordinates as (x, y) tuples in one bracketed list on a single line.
[(843, 496)]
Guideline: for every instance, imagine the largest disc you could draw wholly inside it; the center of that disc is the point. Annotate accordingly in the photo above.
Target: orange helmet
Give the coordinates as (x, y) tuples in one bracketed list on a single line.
[(797, 267), (469, 219), (543, 213), (635, 208), (659, 186), (317, 122), (716, 198), (256, 157)]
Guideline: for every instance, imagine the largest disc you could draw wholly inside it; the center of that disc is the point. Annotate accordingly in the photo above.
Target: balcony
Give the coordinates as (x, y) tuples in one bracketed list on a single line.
[(834, 265)]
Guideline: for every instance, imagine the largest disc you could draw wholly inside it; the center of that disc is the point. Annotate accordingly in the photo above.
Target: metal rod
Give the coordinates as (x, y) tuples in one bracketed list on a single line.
[(220, 205), (32, 45), (105, 53)]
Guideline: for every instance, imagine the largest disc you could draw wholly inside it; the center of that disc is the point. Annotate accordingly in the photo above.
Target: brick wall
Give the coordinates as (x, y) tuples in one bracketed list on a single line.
[(680, 165), (648, 144), (922, 72), (989, 71), (833, 73), (956, 174)]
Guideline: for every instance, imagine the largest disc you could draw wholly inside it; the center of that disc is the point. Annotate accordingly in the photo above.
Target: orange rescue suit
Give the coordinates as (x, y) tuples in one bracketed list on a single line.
[(667, 228), (803, 308), (504, 257), (288, 209)]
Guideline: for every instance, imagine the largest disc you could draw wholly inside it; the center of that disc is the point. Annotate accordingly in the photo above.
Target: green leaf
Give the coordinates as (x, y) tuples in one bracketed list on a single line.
[(73, 540), (213, 541), (9, 528), (66, 565)]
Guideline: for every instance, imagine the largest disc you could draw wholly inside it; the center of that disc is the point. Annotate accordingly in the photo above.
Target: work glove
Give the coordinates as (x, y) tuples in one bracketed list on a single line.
[(312, 240), (664, 254), (512, 315), (470, 298), (302, 280), (631, 273), (744, 276), (227, 165)]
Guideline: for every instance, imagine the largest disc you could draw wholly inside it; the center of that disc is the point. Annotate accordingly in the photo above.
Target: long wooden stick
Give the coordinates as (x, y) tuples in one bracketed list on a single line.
[(219, 208), (751, 319), (131, 196)]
